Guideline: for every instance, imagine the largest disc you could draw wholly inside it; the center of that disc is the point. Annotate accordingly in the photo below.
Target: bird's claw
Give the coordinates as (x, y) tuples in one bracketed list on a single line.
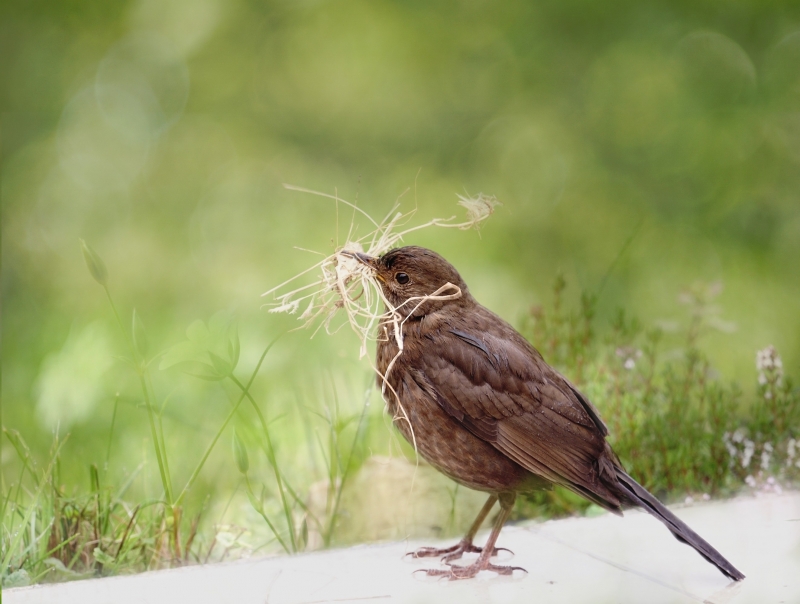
[(450, 558), (455, 552), (431, 552), (456, 572)]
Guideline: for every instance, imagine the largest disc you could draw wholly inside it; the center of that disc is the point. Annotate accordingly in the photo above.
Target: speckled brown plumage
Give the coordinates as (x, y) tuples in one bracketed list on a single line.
[(482, 406)]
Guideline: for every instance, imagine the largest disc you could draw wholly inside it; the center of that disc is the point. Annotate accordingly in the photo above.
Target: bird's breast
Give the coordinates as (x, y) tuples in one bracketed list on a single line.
[(436, 435)]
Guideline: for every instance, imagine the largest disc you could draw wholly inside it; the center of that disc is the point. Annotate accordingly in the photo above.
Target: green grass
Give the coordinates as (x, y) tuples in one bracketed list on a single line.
[(677, 428), (50, 535)]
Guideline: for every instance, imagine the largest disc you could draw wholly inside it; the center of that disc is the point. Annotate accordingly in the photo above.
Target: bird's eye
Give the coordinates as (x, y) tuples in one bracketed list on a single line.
[(402, 278)]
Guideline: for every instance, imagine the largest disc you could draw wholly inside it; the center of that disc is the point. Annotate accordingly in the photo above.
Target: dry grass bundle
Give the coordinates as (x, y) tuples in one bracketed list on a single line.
[(342, 282)]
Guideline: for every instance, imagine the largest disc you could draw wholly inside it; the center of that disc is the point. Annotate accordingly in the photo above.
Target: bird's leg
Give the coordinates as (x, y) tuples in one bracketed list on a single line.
[(482, 563), (465, 545)]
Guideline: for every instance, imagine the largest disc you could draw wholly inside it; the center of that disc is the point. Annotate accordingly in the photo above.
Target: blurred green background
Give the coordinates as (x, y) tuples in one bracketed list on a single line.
[(161, 132)]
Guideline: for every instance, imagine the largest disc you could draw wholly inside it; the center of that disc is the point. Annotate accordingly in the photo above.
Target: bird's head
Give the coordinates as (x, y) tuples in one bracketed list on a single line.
[(407, 275)]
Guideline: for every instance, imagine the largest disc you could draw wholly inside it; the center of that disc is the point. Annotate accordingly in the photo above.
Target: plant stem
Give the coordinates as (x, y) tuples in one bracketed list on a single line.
[(260, 511), (159, 418), (228, 418), (138, 363), (345, 472), (270, 451), (111, 431), (151, 417)]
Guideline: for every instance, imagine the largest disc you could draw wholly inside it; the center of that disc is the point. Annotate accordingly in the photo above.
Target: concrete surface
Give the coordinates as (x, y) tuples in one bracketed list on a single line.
[(597, 560)]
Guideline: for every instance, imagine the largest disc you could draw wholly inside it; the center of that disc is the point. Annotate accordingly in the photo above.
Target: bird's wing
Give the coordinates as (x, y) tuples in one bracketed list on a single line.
[(498, 387)]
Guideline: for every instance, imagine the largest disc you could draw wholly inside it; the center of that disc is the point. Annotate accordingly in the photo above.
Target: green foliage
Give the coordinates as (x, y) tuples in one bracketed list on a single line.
[(95, 264), (240, 454), (49, 535), (167, 148), (676, 426), (139, 336), (210, 352)]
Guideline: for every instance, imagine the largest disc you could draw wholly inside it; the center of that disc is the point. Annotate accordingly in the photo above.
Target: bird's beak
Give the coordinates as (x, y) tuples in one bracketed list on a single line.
[(370, 261)]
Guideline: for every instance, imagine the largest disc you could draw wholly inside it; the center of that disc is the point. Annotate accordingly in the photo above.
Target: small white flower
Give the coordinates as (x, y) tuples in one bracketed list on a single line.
[(766, 456), (706, 496), (747, 454), (630, 355), (689, 500), (750, 481), (764, 358), (771, 485), (769, 365)]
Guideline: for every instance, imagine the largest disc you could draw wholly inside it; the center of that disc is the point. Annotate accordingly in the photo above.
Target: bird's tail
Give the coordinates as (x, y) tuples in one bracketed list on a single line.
[(638, 495)]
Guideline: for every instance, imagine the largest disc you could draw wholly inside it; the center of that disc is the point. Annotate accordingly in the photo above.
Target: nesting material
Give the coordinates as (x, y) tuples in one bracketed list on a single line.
[(343, 283)]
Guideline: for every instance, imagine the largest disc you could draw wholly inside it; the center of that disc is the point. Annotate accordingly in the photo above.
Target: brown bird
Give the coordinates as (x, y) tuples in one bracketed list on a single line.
[(482, 406)]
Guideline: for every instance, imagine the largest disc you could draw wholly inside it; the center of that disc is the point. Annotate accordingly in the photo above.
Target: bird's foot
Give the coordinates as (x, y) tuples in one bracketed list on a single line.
[(454, 552), (468, 572)]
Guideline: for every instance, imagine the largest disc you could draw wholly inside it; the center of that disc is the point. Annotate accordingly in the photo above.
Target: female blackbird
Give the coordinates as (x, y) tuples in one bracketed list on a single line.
[(481, 405)]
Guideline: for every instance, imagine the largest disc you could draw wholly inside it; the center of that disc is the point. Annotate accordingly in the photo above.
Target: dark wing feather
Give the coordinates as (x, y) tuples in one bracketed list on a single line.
[(499, 388)]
